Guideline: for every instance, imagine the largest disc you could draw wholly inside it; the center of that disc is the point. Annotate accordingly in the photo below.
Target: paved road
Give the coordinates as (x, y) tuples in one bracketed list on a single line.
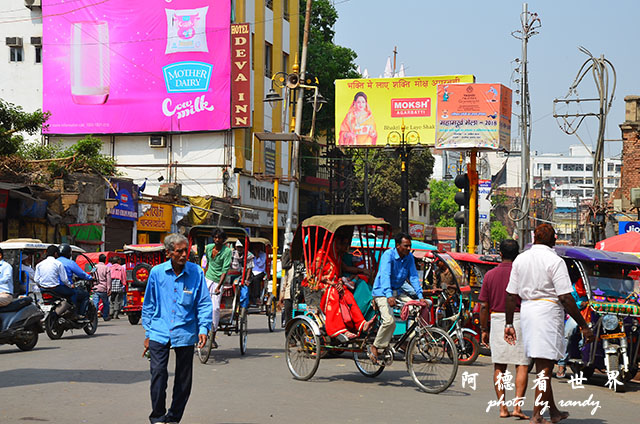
[(103, 379)]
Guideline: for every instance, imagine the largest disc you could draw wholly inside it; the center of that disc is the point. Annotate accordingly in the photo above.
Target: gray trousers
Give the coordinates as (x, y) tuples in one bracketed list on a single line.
[(388, 326)]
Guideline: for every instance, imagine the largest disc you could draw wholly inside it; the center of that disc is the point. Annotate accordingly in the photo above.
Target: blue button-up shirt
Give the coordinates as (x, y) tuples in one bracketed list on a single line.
[(176, 308), (393, 272), (6, 277), (73, 268)]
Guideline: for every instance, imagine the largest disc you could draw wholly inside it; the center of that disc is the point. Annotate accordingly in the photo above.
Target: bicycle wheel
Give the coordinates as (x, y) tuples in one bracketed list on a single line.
[(271, 313), (365, 366), (205, 351), (432, 360), (302, 350), (242, 324)]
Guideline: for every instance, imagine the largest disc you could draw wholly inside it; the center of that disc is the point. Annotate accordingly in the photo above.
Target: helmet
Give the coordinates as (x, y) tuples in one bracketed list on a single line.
[(65, 250)]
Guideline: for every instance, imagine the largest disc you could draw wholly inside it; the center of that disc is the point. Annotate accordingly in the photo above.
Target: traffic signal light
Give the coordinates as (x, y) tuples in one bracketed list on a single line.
[(462, 198)]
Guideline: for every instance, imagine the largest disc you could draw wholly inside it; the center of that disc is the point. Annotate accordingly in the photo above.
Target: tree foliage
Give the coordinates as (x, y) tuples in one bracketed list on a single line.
[(498, 232), (443, 205), (326, 61), (384, 180), (14, 121)]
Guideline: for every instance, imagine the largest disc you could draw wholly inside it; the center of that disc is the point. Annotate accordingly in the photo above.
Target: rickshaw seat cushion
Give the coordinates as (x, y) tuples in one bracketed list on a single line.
[(424, 304), (614, 307)]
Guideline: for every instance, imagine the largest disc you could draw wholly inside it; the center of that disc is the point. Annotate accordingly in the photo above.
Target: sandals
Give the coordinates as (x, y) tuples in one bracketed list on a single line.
[(372, 357), (346, 337), (562, 372)]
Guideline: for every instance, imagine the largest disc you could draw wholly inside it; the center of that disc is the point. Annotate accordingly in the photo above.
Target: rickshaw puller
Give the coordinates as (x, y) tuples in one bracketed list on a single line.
[(396, 266)]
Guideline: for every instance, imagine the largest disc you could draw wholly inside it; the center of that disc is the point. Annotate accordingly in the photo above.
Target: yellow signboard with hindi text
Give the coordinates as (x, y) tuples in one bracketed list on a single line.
[(157, 217), (370, 110)]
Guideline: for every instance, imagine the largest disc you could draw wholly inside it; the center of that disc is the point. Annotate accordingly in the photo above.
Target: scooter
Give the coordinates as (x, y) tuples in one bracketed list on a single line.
[(20, 323), (62, 315)]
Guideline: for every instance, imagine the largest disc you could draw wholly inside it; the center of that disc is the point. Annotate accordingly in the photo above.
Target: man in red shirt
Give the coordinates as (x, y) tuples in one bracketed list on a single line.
[(493, 296)]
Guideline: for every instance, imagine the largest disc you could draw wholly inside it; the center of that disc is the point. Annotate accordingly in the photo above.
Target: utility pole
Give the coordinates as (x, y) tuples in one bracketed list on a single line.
[(599, 68), (530, 23), (288, 233)]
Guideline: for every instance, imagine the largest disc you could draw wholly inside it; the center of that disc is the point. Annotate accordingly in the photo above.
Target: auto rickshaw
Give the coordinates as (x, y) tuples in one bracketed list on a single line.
[(430, 354), (139, 259), (608, 282)]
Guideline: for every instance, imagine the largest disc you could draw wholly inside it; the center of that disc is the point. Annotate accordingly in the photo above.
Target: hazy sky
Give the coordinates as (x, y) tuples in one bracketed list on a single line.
[(474, 37)]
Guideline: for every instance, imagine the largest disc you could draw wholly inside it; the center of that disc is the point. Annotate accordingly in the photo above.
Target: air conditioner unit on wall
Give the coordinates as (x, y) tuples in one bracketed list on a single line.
[(33, 3), (14, 41), (36, 41), (157, 141)]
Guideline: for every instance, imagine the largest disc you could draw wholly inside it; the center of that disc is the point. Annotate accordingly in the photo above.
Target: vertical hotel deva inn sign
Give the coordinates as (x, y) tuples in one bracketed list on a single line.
[(240, 76)]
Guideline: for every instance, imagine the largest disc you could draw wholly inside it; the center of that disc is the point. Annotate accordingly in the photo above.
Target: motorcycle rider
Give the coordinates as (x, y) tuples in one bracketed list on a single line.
[(51, 275), (6, 281), (72, 268)]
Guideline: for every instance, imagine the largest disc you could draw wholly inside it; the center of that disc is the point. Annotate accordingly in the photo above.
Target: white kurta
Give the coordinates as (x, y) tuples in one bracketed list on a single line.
[(539, 276)]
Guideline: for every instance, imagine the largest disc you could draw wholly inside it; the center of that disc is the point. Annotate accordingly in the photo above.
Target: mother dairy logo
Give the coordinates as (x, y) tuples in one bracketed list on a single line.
[(187, 77)]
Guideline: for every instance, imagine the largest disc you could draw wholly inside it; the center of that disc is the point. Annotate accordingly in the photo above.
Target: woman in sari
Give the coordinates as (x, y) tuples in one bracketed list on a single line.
[(343, 318), (358, 126)]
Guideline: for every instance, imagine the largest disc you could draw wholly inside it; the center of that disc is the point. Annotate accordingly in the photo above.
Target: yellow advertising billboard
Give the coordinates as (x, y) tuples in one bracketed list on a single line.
[(156, 218), (370, 111)]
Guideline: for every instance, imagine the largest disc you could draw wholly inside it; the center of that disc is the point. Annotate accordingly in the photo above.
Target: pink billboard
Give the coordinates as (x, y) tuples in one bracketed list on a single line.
[(125, 66)]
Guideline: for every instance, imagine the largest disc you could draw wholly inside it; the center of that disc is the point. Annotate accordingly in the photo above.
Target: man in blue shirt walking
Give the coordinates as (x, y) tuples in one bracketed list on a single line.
[(176, 314), (397, 265)]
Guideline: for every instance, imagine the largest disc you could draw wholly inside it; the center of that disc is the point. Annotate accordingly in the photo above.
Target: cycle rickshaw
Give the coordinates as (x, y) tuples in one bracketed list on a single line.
[(233, 318), (430, 354), (268, 300)]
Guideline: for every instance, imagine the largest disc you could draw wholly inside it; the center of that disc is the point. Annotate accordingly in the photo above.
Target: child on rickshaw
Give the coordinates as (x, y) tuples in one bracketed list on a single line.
[(343, 318)]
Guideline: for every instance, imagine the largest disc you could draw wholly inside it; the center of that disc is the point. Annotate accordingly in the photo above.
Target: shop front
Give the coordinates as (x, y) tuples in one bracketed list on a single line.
[(154, 223), (121, 217), (257, 198)]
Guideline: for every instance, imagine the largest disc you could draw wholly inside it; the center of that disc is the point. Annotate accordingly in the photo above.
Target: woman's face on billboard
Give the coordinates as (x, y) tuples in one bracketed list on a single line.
[(361, 103)]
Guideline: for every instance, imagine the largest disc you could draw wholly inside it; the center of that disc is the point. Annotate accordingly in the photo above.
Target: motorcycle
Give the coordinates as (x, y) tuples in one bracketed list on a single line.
[(62, 314), (20, 323), (613, 310)]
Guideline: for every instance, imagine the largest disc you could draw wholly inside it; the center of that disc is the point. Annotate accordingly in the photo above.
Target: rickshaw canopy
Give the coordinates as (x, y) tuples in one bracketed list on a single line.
[(32, 244), (475, 258), (331, 223), (595, 255), (143, 248), (419, 249)]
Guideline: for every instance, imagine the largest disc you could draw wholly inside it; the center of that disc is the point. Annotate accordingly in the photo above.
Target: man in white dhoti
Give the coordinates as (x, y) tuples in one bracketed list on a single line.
[(540, 277), (492, 299)]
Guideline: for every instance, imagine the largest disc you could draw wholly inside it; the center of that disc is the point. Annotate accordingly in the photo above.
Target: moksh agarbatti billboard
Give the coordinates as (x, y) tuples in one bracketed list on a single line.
[(369, 110), (473, 116), (125, 66)]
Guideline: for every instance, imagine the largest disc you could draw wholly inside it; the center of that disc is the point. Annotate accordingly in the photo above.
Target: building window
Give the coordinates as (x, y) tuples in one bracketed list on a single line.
[(588, 167), (16, 54), (618, 168), (610, 167), (248, 144), (588, 180), (38, 54), (559, 166), (285, 9), (546, 166), (576, 180), (269, 4), (573, 167), (285, 62), (268, 54)]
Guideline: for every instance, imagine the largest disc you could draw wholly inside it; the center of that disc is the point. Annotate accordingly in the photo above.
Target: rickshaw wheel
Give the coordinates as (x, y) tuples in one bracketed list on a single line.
[(134, 318), (432, 360), (205, 352), (468, 349), (302, 350), (242, 323), (271, 313), (365, 366)]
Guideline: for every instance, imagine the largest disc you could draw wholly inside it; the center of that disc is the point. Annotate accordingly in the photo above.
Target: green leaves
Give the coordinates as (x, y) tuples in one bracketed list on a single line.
[(443, 207), (13, 121)]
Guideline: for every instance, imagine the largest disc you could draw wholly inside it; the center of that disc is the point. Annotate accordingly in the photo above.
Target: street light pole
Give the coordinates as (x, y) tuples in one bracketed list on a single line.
[(288, 233), (404, 180)]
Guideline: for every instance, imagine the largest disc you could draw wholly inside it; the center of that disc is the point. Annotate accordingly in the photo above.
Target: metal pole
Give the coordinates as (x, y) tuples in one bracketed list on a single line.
[(366, 181), (524, 135), (473, 201), (404, 174), (288, 236), (274, 255)]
